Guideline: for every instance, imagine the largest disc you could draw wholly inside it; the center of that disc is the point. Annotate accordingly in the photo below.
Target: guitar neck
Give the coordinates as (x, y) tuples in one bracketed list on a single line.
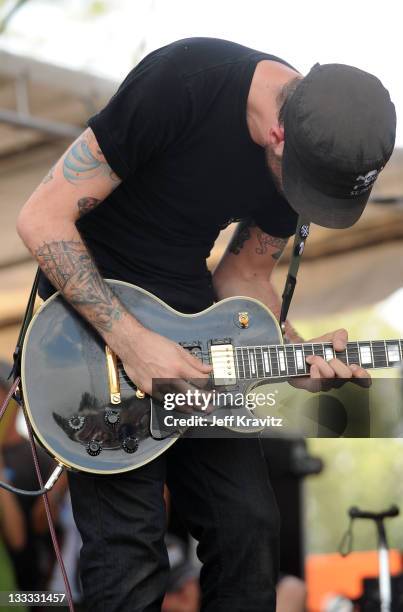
[(285, 360)]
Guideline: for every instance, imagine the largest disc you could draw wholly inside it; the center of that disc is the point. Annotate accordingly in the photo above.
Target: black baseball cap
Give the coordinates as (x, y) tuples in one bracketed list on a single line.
[(339, 127)]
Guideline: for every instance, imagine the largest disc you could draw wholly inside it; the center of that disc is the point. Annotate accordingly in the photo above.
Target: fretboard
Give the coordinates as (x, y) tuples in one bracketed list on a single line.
[(284, 360)]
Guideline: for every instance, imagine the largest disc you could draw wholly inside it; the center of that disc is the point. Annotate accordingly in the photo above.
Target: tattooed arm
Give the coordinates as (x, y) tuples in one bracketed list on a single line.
[(78, 182), (246, 268)]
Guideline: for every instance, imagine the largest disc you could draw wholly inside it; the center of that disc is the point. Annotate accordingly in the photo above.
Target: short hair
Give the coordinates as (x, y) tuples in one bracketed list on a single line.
[(285, 95)]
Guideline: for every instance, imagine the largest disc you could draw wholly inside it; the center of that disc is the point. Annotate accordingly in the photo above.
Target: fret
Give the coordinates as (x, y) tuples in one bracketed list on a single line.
[(353, 353), (258, 372), (259, 367), (266, 360), (365, 353), (379, 354), (343, 356), (308, 349), (393, 351), (281, 360), (243, 364), (300, 362), (237, 363), (246, 363), (372, 353), (258, 363), (319, 350), (328, 352), (274, 361), (386, 353), (259, 359), (290, 359), (295, 358), (251, 363)]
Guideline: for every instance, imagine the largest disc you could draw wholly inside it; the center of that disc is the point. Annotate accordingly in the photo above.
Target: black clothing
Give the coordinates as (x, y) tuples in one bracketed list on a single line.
[(222, 491), (176, 134)]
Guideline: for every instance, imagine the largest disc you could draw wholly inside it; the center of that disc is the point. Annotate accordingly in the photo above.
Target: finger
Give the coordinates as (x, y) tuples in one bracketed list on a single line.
[(360, 376), (311, 383), (338, 338), (197, 363), (341, 369), (314, 371), (188, 372), (324, 368), (358, 371)]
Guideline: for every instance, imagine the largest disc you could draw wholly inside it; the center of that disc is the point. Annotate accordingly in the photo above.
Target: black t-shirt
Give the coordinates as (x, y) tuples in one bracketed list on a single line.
[(176, 134)]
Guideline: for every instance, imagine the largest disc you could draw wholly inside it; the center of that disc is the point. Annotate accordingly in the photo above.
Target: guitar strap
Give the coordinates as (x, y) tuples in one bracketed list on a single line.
[(16, 392), (298, 248)]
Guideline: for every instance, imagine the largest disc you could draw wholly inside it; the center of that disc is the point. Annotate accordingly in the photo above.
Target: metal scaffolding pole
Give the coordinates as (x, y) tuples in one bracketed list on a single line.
[(55, 128)]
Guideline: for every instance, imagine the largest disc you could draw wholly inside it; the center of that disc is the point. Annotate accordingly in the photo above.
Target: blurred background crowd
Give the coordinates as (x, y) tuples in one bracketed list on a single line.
[(60, 61)]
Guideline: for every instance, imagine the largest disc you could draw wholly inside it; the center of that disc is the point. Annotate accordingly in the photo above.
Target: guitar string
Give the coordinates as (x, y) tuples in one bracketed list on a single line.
[(377, 352)]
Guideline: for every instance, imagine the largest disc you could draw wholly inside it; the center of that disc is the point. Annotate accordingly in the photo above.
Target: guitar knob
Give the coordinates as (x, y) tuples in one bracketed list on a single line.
[(140, 393), (130, 444), (112, 417), (94, 448), (76, 422)]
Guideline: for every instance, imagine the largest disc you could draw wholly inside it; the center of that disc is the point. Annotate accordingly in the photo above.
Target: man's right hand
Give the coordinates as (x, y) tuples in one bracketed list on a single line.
[(152, 356)]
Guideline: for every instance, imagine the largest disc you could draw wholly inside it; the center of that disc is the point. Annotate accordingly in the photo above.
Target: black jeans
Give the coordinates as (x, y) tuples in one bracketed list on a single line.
[(221, 488)]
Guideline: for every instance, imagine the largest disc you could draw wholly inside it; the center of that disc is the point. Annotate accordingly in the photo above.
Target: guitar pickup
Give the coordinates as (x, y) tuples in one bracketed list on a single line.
[(223, 362)]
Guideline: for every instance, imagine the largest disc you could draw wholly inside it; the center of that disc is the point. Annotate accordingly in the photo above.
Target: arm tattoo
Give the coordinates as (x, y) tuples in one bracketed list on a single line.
[(70, 268), (81, 164), (265, 240), (241, 235), (86, 204)]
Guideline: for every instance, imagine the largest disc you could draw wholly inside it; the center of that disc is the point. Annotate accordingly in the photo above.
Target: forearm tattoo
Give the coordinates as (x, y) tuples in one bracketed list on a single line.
[(85, 205), (83, 161), (71, 269), (241, 235), (265, 240)]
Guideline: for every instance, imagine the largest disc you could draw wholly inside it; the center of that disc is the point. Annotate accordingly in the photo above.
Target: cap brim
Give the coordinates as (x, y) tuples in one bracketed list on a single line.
[(317, 207)]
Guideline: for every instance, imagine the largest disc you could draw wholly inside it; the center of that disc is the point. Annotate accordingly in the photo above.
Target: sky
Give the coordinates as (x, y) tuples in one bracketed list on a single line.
[(366, 34)]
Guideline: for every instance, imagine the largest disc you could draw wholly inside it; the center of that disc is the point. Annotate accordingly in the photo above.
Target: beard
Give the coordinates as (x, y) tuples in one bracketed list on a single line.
[(274, 164)]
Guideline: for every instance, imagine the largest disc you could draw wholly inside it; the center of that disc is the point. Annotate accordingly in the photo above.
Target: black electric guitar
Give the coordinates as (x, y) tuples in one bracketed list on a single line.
[(89, 416)]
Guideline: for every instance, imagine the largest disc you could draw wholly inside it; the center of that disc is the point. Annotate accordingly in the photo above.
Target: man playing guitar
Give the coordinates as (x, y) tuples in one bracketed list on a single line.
[(202, 132)]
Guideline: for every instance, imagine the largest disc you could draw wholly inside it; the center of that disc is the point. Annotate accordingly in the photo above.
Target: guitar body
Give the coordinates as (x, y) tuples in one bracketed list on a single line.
[(67, 390)]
